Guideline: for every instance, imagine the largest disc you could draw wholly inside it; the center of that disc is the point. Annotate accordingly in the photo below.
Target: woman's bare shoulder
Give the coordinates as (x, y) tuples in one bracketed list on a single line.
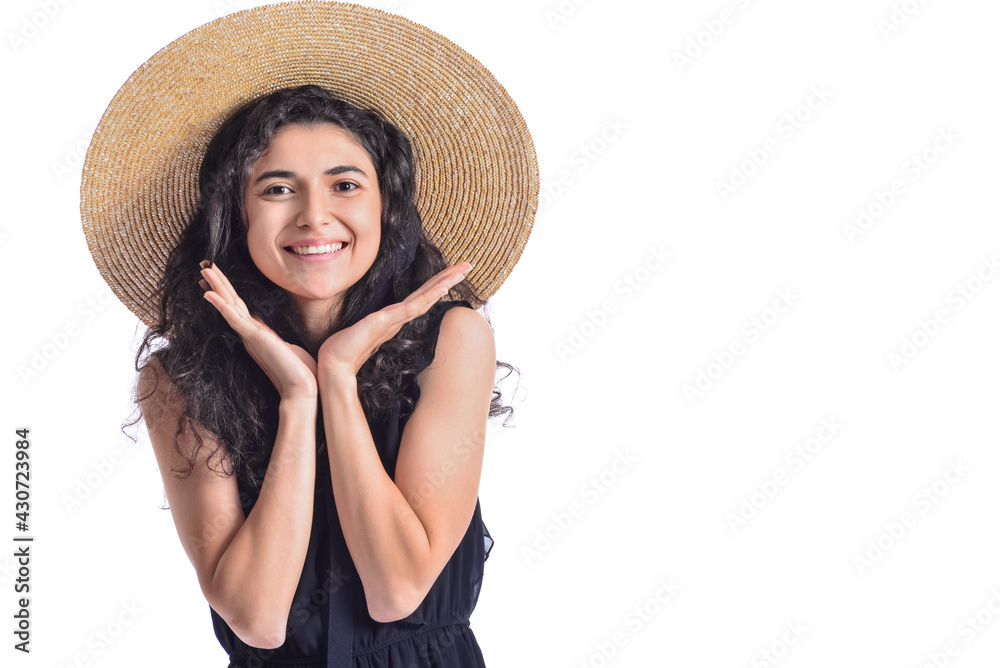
[(465, 352)]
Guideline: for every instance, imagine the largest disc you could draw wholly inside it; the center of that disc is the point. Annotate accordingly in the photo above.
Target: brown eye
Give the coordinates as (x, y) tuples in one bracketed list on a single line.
[(346, 186), (273, 190)]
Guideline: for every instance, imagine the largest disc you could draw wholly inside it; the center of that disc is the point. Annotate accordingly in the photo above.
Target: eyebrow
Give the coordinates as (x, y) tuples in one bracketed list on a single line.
[(286, 174)]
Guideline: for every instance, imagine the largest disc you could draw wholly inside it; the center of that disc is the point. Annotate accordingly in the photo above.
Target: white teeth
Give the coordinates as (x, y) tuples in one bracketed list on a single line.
[(316, 250)]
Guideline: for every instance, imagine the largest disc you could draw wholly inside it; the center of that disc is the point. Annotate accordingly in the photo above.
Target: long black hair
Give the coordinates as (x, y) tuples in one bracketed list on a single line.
[(225, 389)]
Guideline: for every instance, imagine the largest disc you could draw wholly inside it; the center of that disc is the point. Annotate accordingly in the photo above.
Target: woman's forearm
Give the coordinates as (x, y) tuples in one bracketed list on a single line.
[(256, 577), (387, 541)]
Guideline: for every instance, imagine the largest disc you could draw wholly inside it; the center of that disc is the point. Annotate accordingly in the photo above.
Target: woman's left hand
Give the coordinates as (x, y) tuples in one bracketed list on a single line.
[(347, 350)]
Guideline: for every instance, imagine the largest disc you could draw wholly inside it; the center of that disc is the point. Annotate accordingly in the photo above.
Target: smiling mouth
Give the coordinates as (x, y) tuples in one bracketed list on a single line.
[(322, 249)]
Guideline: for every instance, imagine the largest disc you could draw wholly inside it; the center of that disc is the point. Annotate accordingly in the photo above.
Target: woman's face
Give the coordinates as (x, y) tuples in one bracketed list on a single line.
[(313, 213)]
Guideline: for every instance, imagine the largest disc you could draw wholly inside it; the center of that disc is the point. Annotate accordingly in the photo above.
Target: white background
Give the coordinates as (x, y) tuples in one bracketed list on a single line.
[(603, 367)]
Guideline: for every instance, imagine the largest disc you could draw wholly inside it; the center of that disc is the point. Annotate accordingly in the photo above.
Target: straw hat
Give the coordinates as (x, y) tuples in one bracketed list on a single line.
[(477, 175)]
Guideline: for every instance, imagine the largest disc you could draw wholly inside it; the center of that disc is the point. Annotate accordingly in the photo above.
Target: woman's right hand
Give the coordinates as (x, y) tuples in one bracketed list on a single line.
[(290, 367)]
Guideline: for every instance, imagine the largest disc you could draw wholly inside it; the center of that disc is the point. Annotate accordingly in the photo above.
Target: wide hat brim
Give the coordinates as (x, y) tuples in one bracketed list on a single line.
[(477, 174)]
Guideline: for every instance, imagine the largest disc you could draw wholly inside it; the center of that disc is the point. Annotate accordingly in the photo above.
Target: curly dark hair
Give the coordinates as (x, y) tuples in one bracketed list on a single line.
[(225, 389)]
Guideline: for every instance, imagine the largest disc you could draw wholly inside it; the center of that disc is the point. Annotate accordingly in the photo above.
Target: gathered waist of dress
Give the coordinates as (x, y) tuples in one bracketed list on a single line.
[(443, 634), (443, 629)]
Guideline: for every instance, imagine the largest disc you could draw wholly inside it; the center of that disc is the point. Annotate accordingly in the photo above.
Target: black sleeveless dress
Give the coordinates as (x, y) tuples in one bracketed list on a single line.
[(329, 625)]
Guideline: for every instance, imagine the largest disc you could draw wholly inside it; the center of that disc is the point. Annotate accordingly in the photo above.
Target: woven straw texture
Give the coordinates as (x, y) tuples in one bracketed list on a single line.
[(477, 174)]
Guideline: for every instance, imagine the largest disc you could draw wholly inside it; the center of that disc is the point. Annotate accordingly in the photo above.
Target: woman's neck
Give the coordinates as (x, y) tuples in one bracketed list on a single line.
[(316, 318)]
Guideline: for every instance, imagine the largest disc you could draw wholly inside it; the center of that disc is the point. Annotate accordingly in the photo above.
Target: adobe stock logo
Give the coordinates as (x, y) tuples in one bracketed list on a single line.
[(33, 23), (770, 486), (899, 17), (896, 529), (591, 491), (712, 30), (58, 340), (624, 289), (787, 126), (561, 13), (773, 653), (581, 159), (970, 628), (925, 330), (638, 618), (911, 171), (752, 329)]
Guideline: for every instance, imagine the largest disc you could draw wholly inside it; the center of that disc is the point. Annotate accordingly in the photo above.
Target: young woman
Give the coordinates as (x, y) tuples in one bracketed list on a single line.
[(317, 412)]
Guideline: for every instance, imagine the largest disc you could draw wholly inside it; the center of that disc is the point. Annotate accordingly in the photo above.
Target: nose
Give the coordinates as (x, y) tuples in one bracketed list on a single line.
[(317, 209)]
